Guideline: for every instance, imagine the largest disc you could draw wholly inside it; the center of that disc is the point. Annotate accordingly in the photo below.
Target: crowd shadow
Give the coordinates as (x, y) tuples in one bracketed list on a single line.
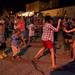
[(24, 50), (68, 69)]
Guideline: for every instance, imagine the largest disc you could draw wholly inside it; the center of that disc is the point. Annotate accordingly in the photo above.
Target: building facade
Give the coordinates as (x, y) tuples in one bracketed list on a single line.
[(51, 6), (42, 5), (33, 6)]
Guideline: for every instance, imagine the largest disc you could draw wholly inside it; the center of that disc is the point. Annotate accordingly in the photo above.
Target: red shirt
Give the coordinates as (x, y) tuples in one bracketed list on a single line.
[(21, 25)]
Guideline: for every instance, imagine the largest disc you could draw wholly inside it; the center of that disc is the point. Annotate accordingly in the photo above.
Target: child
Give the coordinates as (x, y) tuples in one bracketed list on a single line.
[(48, 39), (31, 32), (16, 43)]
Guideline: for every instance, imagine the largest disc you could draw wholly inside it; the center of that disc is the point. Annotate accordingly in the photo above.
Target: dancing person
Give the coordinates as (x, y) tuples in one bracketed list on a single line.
[(67, 24), (69, 31), (48, 39), (31, 32), (21, 26), (17, 43)]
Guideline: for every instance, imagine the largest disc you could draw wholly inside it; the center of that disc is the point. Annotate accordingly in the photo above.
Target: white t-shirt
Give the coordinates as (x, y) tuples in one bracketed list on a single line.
[(31, 29), (15, 24)]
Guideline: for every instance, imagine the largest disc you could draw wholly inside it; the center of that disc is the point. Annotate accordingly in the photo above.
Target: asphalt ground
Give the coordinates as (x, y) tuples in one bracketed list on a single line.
[(25, 66)]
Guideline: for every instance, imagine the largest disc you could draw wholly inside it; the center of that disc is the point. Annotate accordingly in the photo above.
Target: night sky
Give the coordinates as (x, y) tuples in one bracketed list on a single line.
[(20, 4), (14, 4), (66, 2)]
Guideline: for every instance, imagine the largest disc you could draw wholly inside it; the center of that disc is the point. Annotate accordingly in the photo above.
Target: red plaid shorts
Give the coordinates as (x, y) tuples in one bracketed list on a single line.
[(48, 44)]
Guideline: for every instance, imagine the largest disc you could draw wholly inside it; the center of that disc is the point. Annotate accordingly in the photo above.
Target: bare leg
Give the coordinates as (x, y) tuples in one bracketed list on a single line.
[(52, 58), (74, 49), (15, 50), (29, 40), (39, 53)]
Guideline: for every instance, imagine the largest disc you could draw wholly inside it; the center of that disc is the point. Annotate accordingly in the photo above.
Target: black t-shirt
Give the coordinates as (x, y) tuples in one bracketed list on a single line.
[(68, 26)]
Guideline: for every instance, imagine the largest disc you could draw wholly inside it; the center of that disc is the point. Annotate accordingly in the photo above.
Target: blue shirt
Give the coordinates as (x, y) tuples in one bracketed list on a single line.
[(15, 40)]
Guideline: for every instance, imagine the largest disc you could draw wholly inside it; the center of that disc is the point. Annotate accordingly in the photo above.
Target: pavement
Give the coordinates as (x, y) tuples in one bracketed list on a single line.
[(27, 67)]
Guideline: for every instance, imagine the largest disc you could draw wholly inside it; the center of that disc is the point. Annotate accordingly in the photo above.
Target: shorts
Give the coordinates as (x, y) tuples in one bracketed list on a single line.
[(48, 44)]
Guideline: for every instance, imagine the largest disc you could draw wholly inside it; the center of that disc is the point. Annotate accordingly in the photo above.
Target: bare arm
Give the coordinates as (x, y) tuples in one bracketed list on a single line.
[(58, 26), (68, 31), (23, 43)]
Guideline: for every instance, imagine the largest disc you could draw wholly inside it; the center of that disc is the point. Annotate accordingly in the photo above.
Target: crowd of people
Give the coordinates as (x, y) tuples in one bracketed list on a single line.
[(17, 32), (21, 31)]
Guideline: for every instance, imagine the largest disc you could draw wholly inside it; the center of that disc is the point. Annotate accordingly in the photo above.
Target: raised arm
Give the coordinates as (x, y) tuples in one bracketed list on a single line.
[(58, 26)]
